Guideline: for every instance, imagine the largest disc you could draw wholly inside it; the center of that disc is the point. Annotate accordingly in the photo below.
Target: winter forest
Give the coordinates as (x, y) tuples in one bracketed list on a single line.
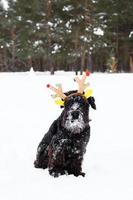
[(50, 35), (65, 38)]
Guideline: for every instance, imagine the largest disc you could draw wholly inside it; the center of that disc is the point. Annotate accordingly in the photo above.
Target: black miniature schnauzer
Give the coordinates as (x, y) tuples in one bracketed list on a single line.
[(64, 145)]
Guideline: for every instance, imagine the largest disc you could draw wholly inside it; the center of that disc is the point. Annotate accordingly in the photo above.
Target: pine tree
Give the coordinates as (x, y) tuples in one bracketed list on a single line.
[(75, 28), (116, 19)]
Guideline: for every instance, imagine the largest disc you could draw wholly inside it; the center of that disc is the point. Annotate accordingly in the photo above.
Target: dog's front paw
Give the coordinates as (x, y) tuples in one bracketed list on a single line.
[(82, 174), (79, 174), (56, 173), (36, 164)]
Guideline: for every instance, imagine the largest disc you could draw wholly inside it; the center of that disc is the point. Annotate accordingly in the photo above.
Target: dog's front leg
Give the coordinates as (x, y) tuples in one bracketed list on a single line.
[(56, 155), (42, 150), (75, 166), (41, 157)]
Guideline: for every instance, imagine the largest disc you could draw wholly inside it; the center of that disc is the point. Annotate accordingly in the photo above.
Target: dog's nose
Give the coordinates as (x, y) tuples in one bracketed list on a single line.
[(75, 114)]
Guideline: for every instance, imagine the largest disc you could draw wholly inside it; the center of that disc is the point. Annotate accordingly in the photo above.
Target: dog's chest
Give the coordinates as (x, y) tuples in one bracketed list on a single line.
[(75, 148)]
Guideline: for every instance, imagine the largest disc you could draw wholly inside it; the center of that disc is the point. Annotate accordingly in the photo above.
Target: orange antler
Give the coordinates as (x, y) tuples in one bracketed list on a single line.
[(58, 91), (81, 83)]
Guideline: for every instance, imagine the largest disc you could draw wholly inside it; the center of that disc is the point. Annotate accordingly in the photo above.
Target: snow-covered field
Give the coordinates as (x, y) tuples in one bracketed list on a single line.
[(27, 110)]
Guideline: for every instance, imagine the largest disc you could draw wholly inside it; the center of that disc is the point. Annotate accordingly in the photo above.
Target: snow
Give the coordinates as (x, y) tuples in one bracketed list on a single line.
[(26, 112), (5, 4)]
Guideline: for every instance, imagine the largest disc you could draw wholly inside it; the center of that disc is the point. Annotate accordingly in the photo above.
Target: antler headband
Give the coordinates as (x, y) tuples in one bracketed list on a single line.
[(83, 89)]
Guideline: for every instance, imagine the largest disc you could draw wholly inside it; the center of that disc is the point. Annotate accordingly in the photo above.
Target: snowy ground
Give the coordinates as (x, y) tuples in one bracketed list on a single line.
[(27, 110)]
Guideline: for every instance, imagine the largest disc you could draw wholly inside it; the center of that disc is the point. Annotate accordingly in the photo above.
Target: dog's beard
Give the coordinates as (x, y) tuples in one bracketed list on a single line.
[(74, 125)]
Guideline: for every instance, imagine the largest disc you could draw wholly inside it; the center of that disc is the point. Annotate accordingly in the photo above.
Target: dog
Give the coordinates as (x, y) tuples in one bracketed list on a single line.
[(63, 147)]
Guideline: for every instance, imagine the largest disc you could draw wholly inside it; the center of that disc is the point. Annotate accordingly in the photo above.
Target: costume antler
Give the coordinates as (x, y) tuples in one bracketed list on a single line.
[(81, 83), (58, 91), (82, 89)]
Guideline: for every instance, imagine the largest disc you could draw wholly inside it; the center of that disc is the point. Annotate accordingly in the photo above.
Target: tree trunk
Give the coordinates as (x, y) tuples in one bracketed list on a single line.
[(13, 36), (131, 64), (5, 57), (82, 60), (76, 51), (124, 58), (49, 36)]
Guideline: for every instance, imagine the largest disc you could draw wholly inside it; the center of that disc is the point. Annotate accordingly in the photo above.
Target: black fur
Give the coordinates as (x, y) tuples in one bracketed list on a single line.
[(64, 145)]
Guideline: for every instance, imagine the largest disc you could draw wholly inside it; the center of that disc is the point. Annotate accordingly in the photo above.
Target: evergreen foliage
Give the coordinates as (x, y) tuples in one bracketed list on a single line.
[(63, 35)]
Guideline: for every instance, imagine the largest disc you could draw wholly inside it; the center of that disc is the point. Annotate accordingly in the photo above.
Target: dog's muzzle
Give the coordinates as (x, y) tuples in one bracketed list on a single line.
[(74, 121)]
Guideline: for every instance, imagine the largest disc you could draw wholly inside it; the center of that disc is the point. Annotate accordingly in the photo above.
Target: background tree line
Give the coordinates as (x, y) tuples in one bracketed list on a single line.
[(67, 35)]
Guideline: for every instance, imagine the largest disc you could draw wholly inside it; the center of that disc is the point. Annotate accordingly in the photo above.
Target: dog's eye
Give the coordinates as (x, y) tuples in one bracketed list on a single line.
[(72, 98), (79, 98)]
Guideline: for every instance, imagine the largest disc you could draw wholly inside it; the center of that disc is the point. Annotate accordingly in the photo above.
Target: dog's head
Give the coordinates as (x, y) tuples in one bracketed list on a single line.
[(75, 116)]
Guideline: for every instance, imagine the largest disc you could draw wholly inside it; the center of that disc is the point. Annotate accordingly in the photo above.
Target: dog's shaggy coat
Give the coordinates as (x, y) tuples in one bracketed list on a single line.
[(64, 145)]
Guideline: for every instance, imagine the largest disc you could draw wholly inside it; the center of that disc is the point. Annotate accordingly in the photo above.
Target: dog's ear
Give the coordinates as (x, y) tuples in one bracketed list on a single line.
[(91, 101)]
